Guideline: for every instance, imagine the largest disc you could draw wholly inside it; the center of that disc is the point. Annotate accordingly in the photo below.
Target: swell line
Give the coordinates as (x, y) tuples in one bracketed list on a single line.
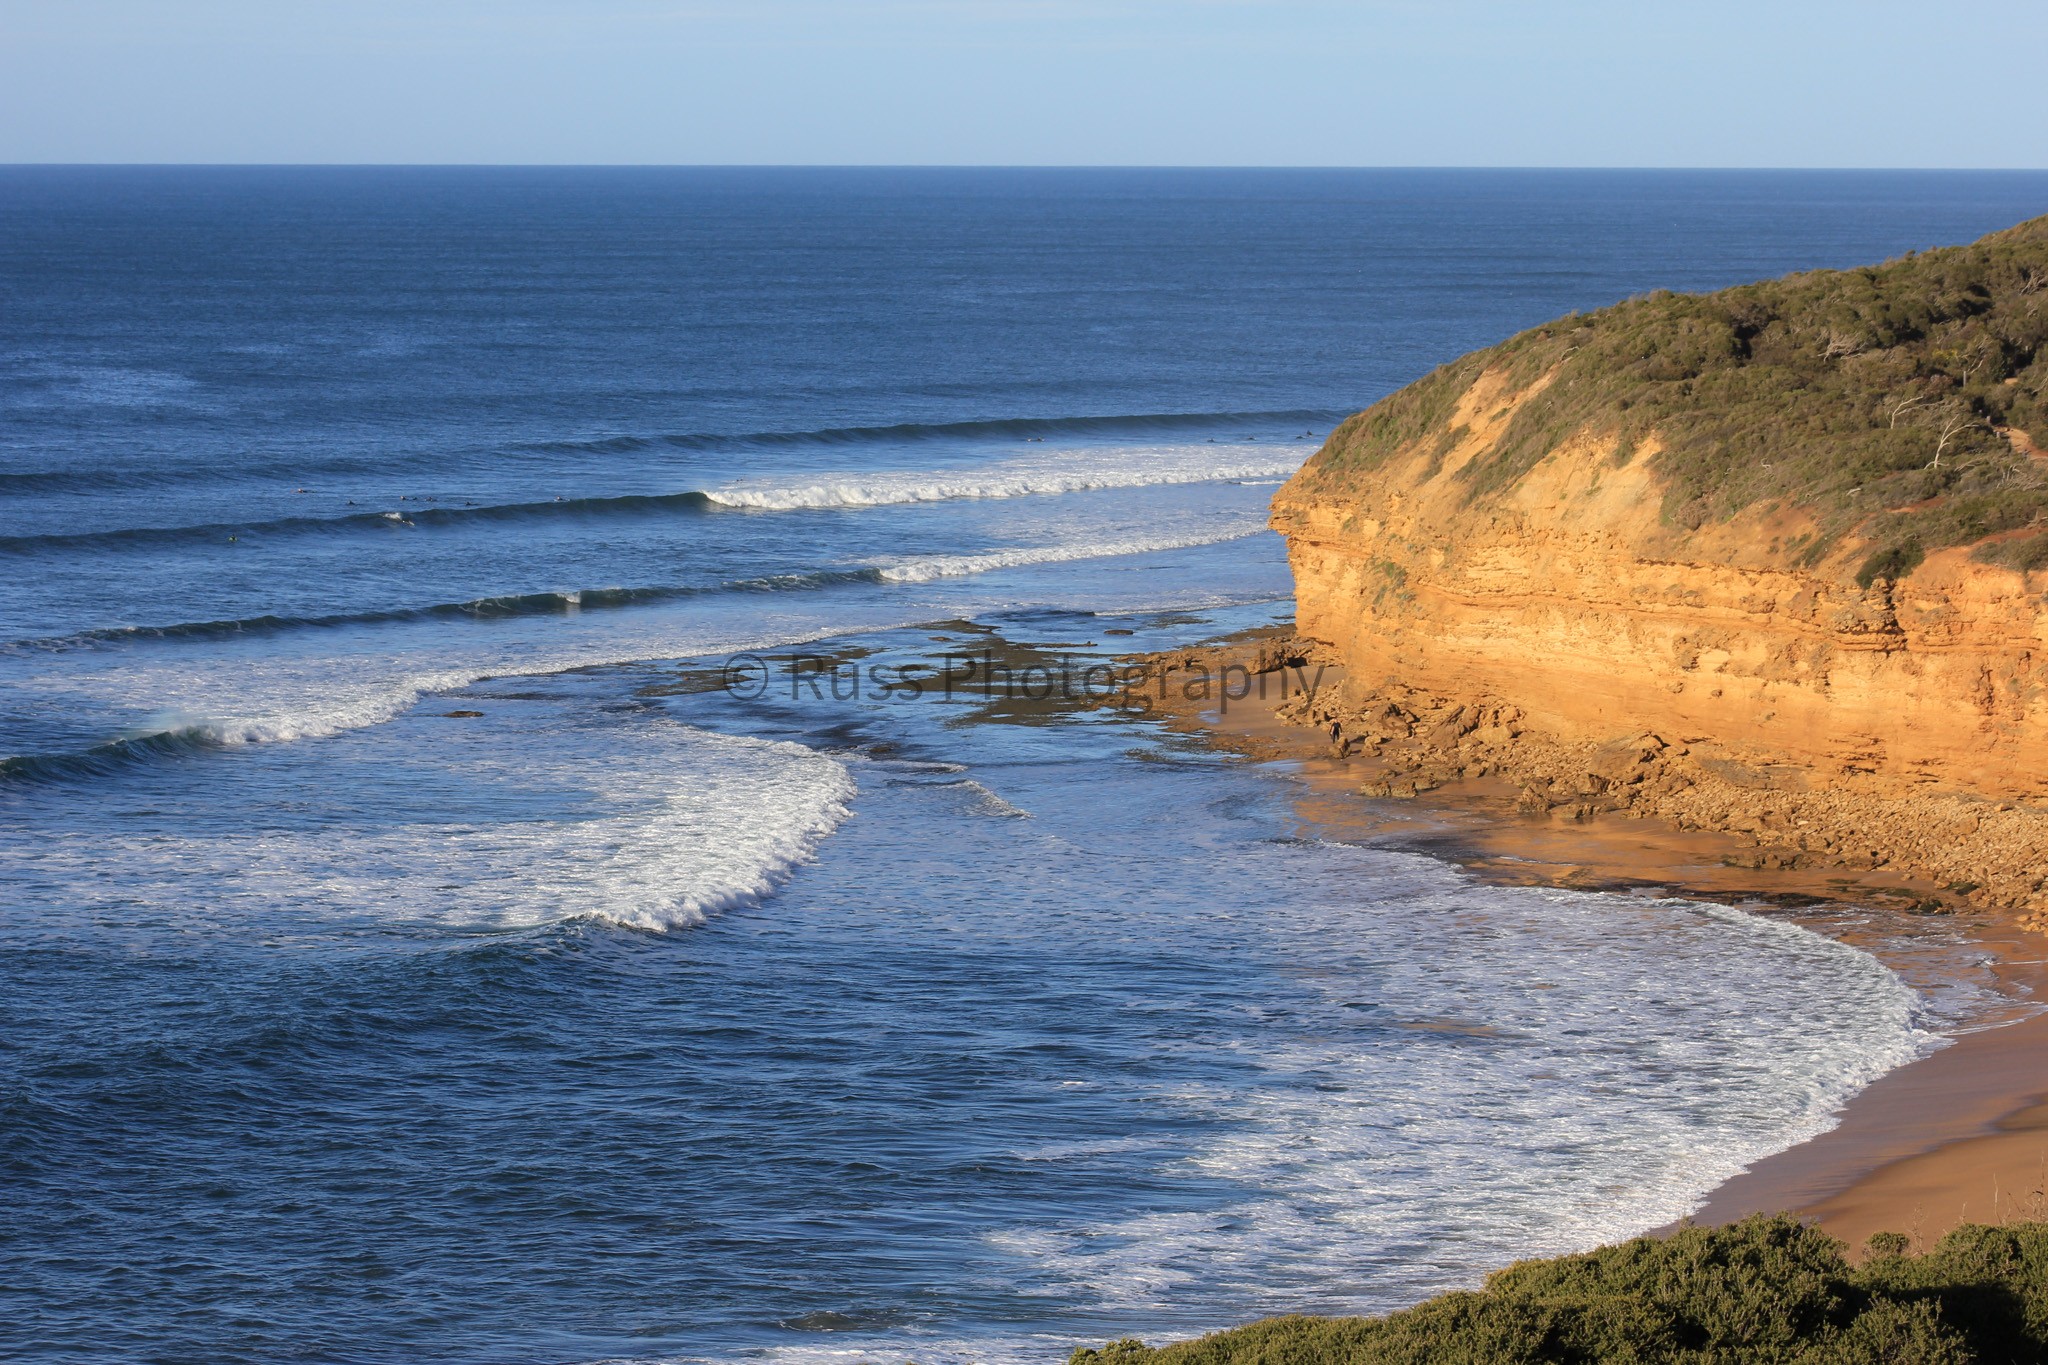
[(562, 602), (193, 734), (881, 489), (547, 603), (144, 536), (363, 465), (102, 760), (912, 432)]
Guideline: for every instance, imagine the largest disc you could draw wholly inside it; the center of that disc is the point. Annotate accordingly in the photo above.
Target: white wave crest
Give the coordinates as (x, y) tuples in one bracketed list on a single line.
[(309, 703), (744, 816), (656, 826), (954, 566), (1075, 474), (988, 803)]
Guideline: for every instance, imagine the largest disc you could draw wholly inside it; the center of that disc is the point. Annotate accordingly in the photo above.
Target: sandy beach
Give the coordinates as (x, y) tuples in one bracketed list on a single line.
[(1958, 1136)]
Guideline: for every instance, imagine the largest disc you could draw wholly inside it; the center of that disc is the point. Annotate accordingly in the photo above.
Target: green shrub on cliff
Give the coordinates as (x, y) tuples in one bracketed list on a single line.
[(1881, 400), (1763, 1290)]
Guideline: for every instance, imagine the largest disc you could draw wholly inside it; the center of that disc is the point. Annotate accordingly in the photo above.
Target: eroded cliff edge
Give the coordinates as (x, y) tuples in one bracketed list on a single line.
[(1770, 560)]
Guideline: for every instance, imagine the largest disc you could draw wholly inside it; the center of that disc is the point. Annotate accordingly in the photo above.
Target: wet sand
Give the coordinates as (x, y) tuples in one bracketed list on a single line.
[(1958, 1136)]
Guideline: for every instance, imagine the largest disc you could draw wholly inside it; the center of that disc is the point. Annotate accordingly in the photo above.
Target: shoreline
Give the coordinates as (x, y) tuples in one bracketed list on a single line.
[(1959, 1135)]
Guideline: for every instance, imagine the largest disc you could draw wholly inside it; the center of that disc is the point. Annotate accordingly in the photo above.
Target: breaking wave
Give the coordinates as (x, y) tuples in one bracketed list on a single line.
[(952, 566), (569, 601), (1010, 481), (1072, 473), (359, 704)]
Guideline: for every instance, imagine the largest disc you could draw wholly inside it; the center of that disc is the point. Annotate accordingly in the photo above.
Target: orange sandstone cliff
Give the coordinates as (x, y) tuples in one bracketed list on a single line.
[(1773, 560)]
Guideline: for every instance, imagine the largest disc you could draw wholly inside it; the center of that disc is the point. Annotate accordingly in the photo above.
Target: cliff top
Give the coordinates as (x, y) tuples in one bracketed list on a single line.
[(1904, 405)]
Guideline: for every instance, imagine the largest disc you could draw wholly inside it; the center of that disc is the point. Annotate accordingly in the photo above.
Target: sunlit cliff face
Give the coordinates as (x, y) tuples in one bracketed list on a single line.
[(1569, 593)]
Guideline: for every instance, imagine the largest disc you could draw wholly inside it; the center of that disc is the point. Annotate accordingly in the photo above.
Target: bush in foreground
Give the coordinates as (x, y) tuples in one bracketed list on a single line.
[(1767, 1289)]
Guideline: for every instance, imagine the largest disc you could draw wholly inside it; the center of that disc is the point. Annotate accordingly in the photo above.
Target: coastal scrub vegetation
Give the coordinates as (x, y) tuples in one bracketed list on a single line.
[(1765, 1290), (1906, 403)]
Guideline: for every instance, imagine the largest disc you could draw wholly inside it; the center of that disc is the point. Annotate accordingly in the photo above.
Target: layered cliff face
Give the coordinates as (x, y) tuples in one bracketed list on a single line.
[(1794, 532)]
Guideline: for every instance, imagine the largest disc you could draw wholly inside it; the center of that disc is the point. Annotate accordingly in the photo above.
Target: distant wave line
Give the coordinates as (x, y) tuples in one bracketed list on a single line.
[(878, 489), (424, 514), (994, 427), (189, 735), (558, 602), (406, 465), (544, 603)]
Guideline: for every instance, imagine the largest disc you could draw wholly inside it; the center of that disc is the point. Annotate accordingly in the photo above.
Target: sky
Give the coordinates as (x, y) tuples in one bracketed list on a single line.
[(1026, 82)]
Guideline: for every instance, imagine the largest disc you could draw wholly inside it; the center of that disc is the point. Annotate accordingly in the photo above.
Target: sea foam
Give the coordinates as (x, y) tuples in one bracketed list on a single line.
[(719, 822), (522, 817)]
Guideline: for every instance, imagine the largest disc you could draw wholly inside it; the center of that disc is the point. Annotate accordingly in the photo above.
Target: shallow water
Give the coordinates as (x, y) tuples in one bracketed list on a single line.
[(631, 1020)]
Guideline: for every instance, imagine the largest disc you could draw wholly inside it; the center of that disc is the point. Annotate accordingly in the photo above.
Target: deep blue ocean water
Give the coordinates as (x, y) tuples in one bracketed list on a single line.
[(632, 1021)]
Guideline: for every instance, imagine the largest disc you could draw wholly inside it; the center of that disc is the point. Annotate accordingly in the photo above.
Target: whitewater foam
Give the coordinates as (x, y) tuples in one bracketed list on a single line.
[(718, 823), (694, 823), (519, 817), (1539, 1170)]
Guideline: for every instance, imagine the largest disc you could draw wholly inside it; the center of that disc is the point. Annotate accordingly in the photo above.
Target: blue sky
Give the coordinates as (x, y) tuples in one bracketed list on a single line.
[(1026, 82)]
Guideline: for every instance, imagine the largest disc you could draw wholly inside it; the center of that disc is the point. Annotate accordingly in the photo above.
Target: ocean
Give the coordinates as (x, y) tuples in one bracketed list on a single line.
[(409, 950)]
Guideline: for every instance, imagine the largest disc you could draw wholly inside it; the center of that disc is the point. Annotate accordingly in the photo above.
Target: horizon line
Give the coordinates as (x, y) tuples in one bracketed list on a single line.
[(995, 166)]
